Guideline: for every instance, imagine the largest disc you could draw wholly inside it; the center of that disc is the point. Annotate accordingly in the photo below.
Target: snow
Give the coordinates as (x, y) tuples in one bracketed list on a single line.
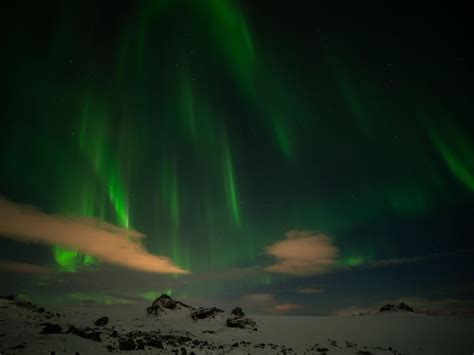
[(390, 333)]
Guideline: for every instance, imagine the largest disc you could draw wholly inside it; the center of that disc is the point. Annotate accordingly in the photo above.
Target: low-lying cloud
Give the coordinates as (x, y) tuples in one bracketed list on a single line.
[(23, 268), (303, 253), (267, 303), (111, 244)]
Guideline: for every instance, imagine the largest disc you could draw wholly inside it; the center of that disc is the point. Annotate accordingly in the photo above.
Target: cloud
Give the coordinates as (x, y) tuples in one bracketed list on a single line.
[(286, 307), (302, 253), (109, 243), (309, 290), (23, 268), (267, 303)]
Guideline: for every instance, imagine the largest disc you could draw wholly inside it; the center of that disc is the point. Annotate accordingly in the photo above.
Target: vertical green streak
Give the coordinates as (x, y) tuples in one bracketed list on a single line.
[(282, 137), (188, 105), (232, 35), (174, 210), (100, 180), (230, 182)]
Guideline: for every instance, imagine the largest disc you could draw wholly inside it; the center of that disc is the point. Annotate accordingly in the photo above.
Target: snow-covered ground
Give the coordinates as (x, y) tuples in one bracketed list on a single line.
[(22, 324)]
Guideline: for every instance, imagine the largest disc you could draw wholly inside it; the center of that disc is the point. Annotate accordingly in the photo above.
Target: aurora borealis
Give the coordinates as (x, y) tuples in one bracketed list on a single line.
[(217, 127)]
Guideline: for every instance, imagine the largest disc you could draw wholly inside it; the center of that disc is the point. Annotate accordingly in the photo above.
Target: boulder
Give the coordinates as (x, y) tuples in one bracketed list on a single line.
[(203, 313), (102, 321), (51, 328), (237, 312)]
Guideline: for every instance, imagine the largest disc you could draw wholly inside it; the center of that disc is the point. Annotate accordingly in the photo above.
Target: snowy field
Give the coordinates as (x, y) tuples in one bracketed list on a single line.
[(30, 329)]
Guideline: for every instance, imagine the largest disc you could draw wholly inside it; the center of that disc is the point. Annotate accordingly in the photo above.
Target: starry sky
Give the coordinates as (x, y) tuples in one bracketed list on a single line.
[(296, 158)]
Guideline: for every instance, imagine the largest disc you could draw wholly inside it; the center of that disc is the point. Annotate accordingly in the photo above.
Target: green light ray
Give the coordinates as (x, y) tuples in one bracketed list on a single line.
[(230, 182)]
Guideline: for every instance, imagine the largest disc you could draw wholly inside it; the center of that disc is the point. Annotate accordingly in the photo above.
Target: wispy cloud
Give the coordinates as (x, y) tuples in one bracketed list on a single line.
[(303, 253), (109, 243), (309, 290)]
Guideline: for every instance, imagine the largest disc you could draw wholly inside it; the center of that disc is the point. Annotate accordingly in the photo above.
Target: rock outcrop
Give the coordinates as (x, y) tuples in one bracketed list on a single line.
[(163, 303), (396, 308), (238, 320), (241, 322), (203, 313), (237, 312)]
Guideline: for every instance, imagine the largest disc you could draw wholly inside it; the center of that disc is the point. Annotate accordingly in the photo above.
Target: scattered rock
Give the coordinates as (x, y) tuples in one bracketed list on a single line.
[(51, 328), (237, 312), (18, 347), (102, 321), (110, 348), (127, 344), (154, 343), (203, 313)]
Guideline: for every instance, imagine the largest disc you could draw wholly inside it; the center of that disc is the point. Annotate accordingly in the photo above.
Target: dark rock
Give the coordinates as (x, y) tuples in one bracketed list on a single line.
[(322, 350), (237, 311), (95, 336), (235, 345), (404, 307), (203, 313), (396, 307), (364, 352), (164, 302), (154, 343), (110, 348), (140, 345), (184, 351), (41, 310), (127, 344), (51, 329), (19, 346), (102, 321), (241, 322)]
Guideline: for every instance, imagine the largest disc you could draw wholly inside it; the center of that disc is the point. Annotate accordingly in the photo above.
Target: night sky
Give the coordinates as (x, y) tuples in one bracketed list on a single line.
[(288, 156)]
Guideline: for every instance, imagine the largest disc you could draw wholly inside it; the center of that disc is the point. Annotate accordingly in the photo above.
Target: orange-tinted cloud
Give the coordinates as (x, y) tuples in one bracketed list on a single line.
[(23, 268), (286, 307), (267, 303), (109, 243), (302, 253)]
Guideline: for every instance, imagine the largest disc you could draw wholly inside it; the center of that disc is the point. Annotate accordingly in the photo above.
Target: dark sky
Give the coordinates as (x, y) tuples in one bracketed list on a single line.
[(293, 156)]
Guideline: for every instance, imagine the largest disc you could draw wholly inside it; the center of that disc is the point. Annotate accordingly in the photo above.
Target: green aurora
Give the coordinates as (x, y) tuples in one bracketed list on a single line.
[(186, 121)]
